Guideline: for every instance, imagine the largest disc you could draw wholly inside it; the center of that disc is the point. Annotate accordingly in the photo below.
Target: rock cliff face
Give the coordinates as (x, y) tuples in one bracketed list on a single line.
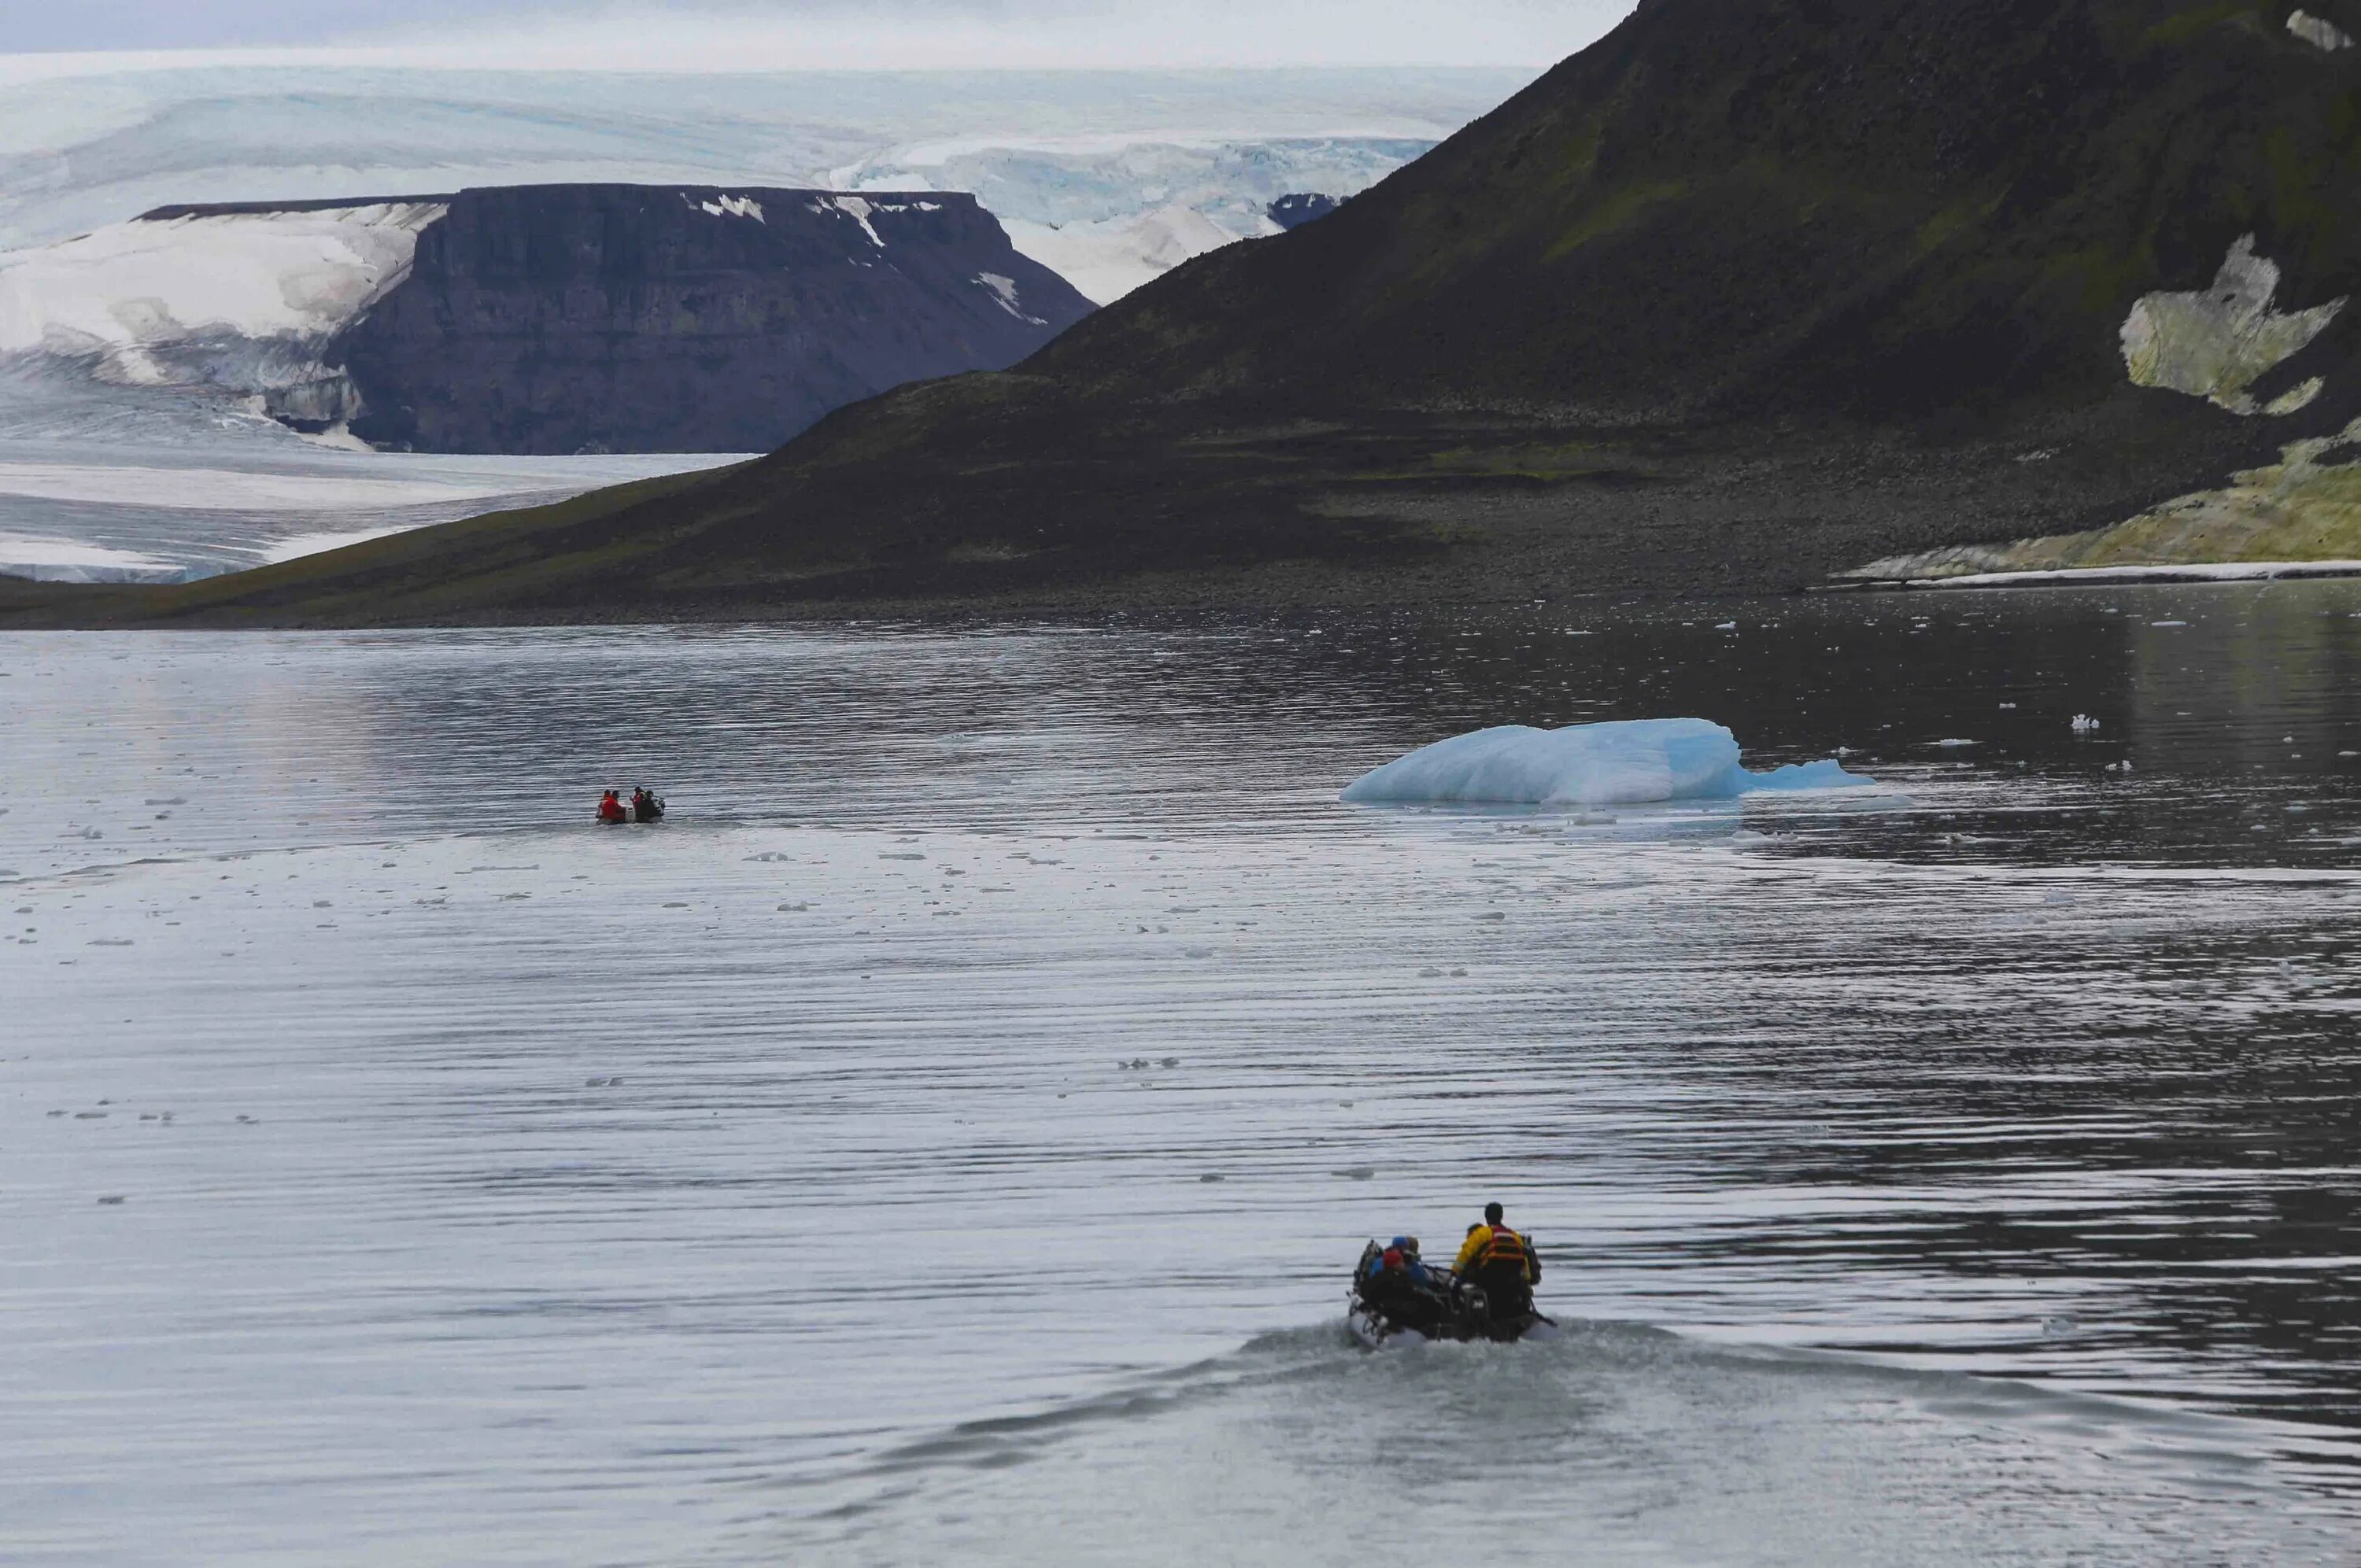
[(565, 318)]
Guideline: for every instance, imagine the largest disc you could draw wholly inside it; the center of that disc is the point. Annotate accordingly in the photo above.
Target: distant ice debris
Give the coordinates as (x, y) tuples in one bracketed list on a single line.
[(2216, 343), (1620, 762), (2084, 724), (2318, 31)]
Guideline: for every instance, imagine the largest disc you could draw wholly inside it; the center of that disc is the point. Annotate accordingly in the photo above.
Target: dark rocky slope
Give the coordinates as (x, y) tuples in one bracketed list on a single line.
[(638, 318), (1747, 292)]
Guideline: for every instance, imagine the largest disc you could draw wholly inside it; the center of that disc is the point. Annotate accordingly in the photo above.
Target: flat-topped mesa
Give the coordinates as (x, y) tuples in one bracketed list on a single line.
[(545, 318), (564, 318)]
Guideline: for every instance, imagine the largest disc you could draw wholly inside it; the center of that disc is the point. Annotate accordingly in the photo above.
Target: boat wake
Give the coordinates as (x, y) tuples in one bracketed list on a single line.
[(1646, 1445)]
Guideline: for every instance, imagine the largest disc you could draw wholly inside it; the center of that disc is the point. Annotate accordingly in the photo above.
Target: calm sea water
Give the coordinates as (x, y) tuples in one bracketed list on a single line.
[(944, 1139)]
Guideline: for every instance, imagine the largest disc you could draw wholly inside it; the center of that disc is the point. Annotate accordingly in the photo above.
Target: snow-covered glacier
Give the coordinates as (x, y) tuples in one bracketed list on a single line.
[(240, 298), (1619, 763)]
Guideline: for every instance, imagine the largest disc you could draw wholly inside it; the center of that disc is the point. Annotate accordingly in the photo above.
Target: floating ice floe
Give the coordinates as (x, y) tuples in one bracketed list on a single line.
[(1626, 762)]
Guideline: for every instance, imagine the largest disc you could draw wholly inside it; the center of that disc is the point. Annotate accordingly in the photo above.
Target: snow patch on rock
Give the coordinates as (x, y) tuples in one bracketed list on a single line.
[(856, 209), (1622, 762), (1003, 291), (2318, 31), (730, 207), (2216, 343)]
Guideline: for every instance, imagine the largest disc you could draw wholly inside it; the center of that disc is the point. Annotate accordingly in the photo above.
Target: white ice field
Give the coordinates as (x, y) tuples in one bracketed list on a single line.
[(955, 1122)]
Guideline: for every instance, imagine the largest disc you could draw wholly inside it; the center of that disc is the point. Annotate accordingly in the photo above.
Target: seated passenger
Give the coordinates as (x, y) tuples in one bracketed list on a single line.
[(611, 808), (646, 806), (1399, 1285)]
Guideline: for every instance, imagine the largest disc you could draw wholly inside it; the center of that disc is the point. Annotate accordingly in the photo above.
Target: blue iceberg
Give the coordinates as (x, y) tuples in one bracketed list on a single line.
[(1623, 763)]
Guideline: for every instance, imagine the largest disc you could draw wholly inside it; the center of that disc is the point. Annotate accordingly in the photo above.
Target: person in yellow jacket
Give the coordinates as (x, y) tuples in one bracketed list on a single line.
[(1502, 1262)]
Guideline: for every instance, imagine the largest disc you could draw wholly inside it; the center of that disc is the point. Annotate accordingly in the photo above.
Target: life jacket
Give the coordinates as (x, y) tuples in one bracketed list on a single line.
[(1504, 1250)]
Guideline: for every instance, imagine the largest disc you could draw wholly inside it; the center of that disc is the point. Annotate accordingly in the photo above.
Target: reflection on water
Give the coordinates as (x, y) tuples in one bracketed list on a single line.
[(1011, 1025)]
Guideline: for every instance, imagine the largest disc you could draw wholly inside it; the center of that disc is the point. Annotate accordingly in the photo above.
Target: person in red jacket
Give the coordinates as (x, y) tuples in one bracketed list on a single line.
[(611, 808)]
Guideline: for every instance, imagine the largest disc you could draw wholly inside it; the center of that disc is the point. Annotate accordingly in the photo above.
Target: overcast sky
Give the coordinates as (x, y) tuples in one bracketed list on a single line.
[(786, 34)]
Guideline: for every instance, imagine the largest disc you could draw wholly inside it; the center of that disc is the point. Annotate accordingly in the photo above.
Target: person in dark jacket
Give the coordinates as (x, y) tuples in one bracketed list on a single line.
[(1400, 1286), (646, 806)]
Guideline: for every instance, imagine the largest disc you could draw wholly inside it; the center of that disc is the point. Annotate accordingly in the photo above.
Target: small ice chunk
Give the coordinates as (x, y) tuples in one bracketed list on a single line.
[(2084, 724), (1954, 742), (1616, 763)]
